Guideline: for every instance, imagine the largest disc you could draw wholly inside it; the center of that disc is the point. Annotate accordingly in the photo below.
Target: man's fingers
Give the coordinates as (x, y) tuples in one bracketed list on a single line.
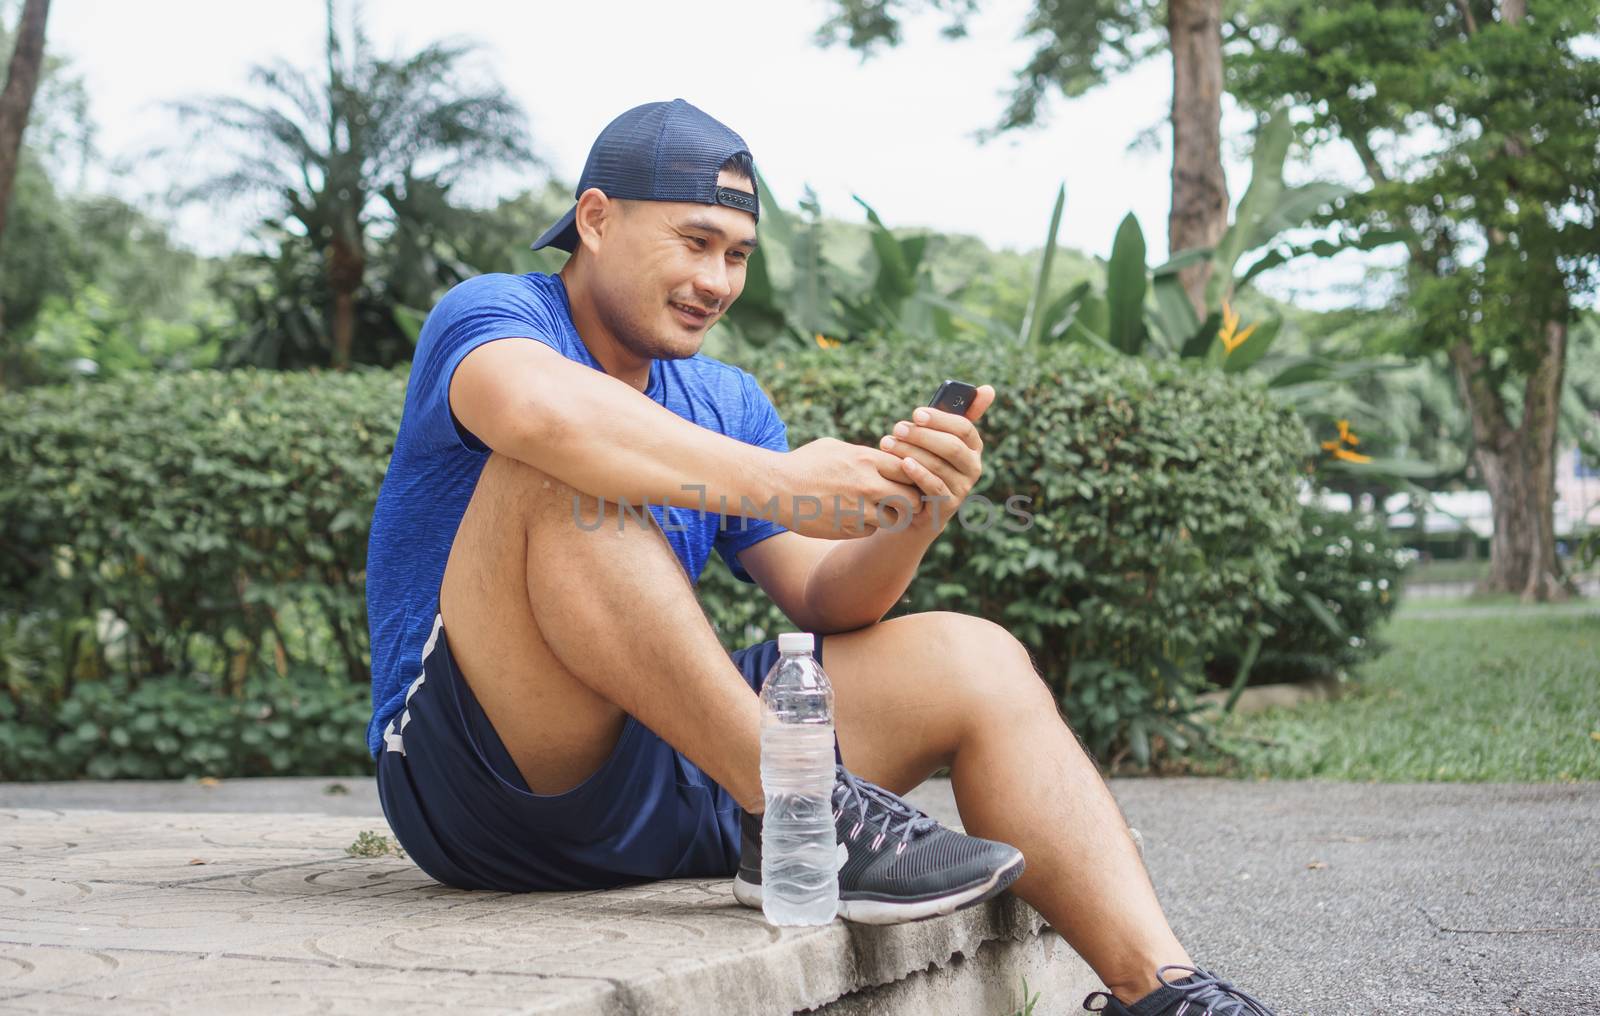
[(894, 511), (900, 494), (981, 403), (891, 468), (949, 423), (929, 462), (931, 482), (947, 446), (884, 461)]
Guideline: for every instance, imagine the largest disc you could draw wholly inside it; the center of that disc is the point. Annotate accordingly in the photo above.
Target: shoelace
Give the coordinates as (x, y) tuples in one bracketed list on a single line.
[(899, 817), (1204, 989)]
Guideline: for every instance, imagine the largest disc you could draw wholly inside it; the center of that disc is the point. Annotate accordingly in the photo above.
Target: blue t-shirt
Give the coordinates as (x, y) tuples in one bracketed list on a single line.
[(437, 461)]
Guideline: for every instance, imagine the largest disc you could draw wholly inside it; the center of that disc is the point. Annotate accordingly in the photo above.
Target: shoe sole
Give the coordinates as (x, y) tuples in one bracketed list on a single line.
[(887, 912)]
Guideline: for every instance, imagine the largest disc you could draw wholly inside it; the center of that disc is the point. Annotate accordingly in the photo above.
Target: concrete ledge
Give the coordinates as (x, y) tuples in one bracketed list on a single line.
[(989, 982), (266, 912)]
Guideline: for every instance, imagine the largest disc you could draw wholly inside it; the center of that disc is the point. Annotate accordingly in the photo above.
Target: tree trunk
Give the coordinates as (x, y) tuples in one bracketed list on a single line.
[(1541, 415), (347, 265), (1517, 465), (344, 328), (17, 99), (1199, 212), (22, 80)]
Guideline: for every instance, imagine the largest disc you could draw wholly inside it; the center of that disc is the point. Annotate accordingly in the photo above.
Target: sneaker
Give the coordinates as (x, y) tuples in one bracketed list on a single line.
[(1199, 994), (895, 863)]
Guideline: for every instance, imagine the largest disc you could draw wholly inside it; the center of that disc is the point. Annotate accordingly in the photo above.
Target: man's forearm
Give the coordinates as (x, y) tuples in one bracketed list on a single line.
[(859, 581), (610, 441)]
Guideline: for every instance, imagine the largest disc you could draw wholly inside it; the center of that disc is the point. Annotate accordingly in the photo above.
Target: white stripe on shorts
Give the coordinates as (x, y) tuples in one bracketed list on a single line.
[(393, 734)]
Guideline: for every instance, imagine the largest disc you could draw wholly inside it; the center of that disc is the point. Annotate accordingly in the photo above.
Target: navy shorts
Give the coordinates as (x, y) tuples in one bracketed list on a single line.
[(462, 811)]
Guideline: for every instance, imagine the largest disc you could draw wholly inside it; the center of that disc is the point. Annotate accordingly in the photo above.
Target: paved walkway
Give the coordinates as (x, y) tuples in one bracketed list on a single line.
[(1425, 611), (1323, 898), (1588, 586)]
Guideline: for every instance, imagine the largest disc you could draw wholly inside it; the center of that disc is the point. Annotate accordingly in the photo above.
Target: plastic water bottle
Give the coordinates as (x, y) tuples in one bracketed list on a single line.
[(799, 865)]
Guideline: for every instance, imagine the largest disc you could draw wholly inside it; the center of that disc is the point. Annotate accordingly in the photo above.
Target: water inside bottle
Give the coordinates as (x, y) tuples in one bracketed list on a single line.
[(799, 870)]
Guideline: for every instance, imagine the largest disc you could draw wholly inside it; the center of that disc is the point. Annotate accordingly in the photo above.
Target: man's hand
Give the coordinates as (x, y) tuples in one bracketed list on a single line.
[(942, 454), (836, 490), (854, 583)]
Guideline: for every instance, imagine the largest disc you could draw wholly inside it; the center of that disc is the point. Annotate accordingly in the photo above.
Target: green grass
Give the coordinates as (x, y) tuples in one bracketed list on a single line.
[(1429, 572), (1513, 698), (1448, 571), (371, 844), (1028, 1002), (1508, 603), (1432, 604)]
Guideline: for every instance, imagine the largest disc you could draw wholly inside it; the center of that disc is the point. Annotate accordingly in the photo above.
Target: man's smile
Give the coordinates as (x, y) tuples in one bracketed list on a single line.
[(695, 317)]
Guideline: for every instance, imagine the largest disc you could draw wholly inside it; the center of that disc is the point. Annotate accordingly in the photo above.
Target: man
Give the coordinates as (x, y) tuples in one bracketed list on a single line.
[(551, 707)]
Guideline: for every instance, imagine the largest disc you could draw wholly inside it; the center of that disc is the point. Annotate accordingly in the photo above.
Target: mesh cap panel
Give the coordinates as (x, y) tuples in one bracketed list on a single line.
[(661, 151)]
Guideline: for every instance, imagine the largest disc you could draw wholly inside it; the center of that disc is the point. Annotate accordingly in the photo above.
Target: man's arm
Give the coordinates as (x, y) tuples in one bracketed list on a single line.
[(826, 586), (605, 438), (600, 435)]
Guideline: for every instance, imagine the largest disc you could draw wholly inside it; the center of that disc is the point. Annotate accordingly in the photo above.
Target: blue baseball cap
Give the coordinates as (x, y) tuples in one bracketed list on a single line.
[(661, 151)]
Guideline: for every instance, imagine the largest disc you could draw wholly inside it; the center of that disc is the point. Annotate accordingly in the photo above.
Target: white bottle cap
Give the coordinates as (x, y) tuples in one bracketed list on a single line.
[(796, 642)]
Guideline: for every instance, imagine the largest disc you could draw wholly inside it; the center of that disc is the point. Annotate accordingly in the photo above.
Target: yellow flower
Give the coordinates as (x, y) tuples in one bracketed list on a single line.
[(1239, 339), (1230, 335), (1338, 445), (826, 343)]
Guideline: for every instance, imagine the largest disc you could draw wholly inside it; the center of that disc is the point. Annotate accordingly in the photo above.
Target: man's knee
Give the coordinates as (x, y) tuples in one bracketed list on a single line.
[(991, 665), (512, 489), (527, 490), (975, 639)]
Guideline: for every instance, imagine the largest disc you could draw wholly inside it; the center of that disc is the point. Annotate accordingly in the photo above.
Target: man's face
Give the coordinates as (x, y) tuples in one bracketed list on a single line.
[(664, 272)]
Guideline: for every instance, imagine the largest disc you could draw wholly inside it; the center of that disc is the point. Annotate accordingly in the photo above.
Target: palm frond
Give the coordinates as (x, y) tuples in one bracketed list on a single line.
[(282, 138), (294, 85), (357, 148)]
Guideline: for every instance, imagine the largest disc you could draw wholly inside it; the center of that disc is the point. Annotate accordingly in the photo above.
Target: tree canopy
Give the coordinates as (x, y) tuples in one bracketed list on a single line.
[(363, 143), (1478, 125), (1077, 45)]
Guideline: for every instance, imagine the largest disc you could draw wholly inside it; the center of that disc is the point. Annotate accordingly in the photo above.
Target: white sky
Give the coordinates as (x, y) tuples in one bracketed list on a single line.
[(896, 130)]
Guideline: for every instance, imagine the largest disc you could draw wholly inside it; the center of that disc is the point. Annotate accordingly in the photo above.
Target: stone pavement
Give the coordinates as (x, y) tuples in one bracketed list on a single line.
[(235, 898), (1321, 898)]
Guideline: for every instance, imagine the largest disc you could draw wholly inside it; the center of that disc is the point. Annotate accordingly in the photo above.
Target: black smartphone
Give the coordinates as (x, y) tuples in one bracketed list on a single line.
[(954, 397)]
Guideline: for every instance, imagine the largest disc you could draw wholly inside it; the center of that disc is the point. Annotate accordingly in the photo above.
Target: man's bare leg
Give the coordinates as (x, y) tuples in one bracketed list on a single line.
[(561, 631), (928, 690)]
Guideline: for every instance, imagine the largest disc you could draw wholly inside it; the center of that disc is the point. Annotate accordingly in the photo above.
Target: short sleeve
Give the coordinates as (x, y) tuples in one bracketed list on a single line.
[(764, 428), (477, 311)]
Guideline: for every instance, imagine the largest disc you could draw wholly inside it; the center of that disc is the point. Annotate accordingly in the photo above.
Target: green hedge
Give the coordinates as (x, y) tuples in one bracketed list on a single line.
[(1342, 584), (209, 514), (205, 528), (170, 727), (204, 534), (1164, 501)]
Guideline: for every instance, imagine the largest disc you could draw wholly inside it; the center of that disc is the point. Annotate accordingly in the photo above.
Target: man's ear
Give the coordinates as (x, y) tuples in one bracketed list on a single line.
[(595, 212)]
